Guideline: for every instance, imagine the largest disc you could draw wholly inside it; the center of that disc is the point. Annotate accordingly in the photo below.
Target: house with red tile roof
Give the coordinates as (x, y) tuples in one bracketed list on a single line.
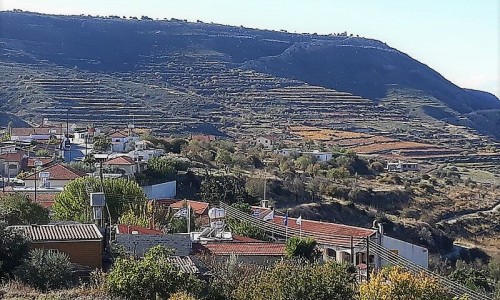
[(199, 209), (122, 141), (11, 164), (43, 161), (345, 243), (124, 163), (57, 175), (36, 134), (261, 253)]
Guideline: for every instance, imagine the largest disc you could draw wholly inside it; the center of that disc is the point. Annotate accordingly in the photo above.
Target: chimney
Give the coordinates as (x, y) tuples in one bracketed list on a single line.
[(264, 203)]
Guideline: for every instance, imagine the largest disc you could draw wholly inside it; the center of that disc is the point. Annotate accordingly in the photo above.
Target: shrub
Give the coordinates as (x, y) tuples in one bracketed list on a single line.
[(13, 249), (45, 270), (292, 280), (396, 283), (18, 209), (302, 248), (152, 277)]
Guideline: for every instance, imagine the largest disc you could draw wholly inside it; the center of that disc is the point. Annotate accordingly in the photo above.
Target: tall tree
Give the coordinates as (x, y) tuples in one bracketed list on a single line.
[(73, 203), (18, 209)]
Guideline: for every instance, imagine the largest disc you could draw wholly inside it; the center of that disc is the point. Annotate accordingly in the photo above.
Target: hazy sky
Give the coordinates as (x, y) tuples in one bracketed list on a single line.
[(457, 38)]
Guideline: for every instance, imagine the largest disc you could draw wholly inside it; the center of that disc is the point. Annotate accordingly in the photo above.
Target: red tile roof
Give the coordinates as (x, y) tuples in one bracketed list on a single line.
[(45, 161), (254, 249), (165, 202), (13, 157), (118, 134), (244, 239), (35, 130), (128, 229), (199, 208), (121, 160), (326, 228), (59, 172)]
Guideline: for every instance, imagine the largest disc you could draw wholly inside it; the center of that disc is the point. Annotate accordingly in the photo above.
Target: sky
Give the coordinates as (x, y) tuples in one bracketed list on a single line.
[(458, 38)]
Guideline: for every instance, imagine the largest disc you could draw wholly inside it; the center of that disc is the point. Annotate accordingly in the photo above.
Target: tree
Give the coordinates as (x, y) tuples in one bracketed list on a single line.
[(474, 279), (101, 143), (227, 188), (223, 158), (246, 229), (45, 270), (152, 277), (13, 249), (302, 248), (18, 209), (293, 280), (303, 162), (73, 203), (397, 283)]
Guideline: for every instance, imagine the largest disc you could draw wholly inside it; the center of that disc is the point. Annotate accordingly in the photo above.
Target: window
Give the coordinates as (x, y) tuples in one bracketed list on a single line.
[(12, 167)]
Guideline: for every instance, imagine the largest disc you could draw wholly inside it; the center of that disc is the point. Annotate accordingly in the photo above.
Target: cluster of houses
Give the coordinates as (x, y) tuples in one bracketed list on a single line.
[(42, 177), (85, 244)]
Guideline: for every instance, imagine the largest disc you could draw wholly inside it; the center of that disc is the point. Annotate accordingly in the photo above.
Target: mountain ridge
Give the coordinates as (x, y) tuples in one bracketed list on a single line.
[(199, 58)]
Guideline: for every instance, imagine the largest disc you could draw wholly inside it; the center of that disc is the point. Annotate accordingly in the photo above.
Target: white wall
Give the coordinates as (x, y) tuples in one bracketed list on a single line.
[(414, 253), (53, 183), (161, 191)]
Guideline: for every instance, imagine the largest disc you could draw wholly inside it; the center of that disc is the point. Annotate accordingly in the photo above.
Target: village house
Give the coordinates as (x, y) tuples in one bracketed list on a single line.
[(36, 134), (315, 154), (124, 163), (42, 162), (401, 166), (345, 243), (11, 164), (122, 141), (54, 176), (83, 243), (267, 142), (199, 209)]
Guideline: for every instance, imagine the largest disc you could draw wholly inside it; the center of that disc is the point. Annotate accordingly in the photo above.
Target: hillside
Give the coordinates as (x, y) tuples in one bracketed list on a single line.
[(178, 75)]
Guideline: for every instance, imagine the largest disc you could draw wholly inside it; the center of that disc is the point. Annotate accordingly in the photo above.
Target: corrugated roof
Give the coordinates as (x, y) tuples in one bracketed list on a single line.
[(57, 232), (184, 263), (254, 249)]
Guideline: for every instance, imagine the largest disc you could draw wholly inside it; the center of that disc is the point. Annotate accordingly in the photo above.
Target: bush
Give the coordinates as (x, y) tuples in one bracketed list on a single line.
[(302, 248), (13, 249), (45, 270), (18, 209), (396, 283), (152, 277), (292, 280)]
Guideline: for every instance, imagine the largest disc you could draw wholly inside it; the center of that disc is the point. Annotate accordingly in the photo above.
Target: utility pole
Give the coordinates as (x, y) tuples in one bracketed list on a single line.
[(37, 164)]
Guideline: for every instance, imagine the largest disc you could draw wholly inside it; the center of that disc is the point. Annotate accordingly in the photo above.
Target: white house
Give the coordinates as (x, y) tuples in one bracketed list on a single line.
[(122, 142), (36, 134), (267, 142), (125, 163), (345, 243), (319, 156), (316, 154), (55, 176), (402, 166)]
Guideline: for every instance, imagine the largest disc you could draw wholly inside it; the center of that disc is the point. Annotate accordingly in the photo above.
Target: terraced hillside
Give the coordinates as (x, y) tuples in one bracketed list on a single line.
[(174, 75)]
